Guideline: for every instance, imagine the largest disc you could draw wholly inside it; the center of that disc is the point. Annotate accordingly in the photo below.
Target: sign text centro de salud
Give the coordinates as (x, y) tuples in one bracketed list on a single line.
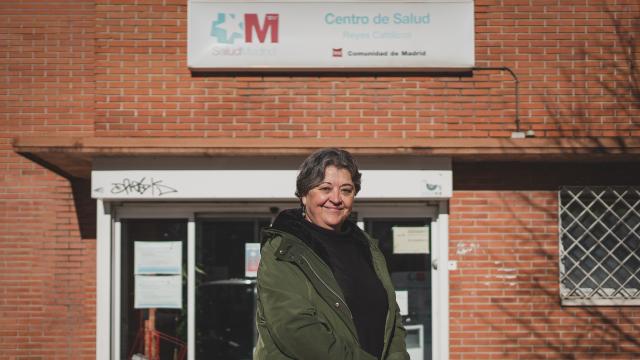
[(311, 35)]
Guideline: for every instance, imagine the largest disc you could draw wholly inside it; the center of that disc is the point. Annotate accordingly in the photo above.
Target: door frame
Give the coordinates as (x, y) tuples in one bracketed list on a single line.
[(108, 255)]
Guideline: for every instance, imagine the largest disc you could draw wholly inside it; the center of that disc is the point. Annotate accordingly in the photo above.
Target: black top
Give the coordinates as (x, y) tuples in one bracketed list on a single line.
[(347, 254)]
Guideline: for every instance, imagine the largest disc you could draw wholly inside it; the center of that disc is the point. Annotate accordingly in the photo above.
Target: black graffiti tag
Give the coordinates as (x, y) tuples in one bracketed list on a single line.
[(142, 186)]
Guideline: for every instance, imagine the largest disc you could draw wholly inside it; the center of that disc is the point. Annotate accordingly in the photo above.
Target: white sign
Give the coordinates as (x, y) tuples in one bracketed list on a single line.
[(358, 35), (273, 184), (402, 298), (157, 257), (410, 240), (251, 259), (158, 291)]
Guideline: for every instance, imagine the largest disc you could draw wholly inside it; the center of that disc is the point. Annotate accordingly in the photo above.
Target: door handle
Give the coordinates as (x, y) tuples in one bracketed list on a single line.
[(434, 264)]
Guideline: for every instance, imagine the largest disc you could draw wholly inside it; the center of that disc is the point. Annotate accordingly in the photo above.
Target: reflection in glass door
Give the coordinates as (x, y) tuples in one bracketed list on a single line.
[(406, 245), (227, 253)]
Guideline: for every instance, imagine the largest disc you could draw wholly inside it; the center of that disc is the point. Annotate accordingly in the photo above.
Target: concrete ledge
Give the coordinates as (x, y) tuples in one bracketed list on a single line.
[(73, 156)]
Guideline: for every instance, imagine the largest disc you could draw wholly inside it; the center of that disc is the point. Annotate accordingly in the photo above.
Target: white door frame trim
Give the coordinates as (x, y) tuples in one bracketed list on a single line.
[(108, 259), (103, 280)]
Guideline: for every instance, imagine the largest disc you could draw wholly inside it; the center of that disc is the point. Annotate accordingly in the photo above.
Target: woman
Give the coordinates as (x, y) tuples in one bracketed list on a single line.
[(323, 287)]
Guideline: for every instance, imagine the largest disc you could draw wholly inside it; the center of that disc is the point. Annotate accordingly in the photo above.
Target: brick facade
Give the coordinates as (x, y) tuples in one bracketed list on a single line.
[(573, 60), (118, 69), (47, 265), (504, 297)]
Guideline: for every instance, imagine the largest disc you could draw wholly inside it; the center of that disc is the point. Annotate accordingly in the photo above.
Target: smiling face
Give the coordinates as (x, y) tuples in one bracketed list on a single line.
[(329, 204)]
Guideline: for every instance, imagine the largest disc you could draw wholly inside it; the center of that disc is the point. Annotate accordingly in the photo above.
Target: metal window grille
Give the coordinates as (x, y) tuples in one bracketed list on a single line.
[(600, 245)]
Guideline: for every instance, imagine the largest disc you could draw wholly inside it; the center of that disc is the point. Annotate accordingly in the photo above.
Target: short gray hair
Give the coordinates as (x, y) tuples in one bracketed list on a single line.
[(312, 169)]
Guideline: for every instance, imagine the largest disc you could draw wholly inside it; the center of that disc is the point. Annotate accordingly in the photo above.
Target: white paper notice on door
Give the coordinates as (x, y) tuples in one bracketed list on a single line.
[(410, 240), (402, 298), (251, 259), (157, 257), (158, 292)]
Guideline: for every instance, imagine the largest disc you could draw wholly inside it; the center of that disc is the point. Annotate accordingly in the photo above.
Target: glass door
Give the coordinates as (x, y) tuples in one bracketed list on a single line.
[(153, 296), (406, 244), (185, 282), (227, 256)]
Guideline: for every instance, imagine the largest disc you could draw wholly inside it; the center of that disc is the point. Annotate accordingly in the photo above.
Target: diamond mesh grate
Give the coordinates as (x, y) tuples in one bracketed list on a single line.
[(600, 243)]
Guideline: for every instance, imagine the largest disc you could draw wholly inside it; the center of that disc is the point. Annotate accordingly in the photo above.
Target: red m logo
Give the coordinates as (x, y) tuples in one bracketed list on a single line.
[(252, 23)]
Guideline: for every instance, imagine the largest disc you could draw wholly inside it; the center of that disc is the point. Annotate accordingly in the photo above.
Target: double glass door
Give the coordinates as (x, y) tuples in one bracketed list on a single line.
[(154, 300)]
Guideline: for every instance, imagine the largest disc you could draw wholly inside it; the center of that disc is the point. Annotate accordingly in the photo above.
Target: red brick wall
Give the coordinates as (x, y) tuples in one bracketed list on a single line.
[(47, 264), (118, 68), (573, 59), (504, 296)]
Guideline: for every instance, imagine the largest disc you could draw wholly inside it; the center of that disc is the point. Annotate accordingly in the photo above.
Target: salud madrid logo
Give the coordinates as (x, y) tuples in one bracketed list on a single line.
[(227, 28)]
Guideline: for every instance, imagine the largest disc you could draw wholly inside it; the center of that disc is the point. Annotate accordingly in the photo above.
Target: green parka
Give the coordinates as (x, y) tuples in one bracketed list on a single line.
[(301, 312)]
